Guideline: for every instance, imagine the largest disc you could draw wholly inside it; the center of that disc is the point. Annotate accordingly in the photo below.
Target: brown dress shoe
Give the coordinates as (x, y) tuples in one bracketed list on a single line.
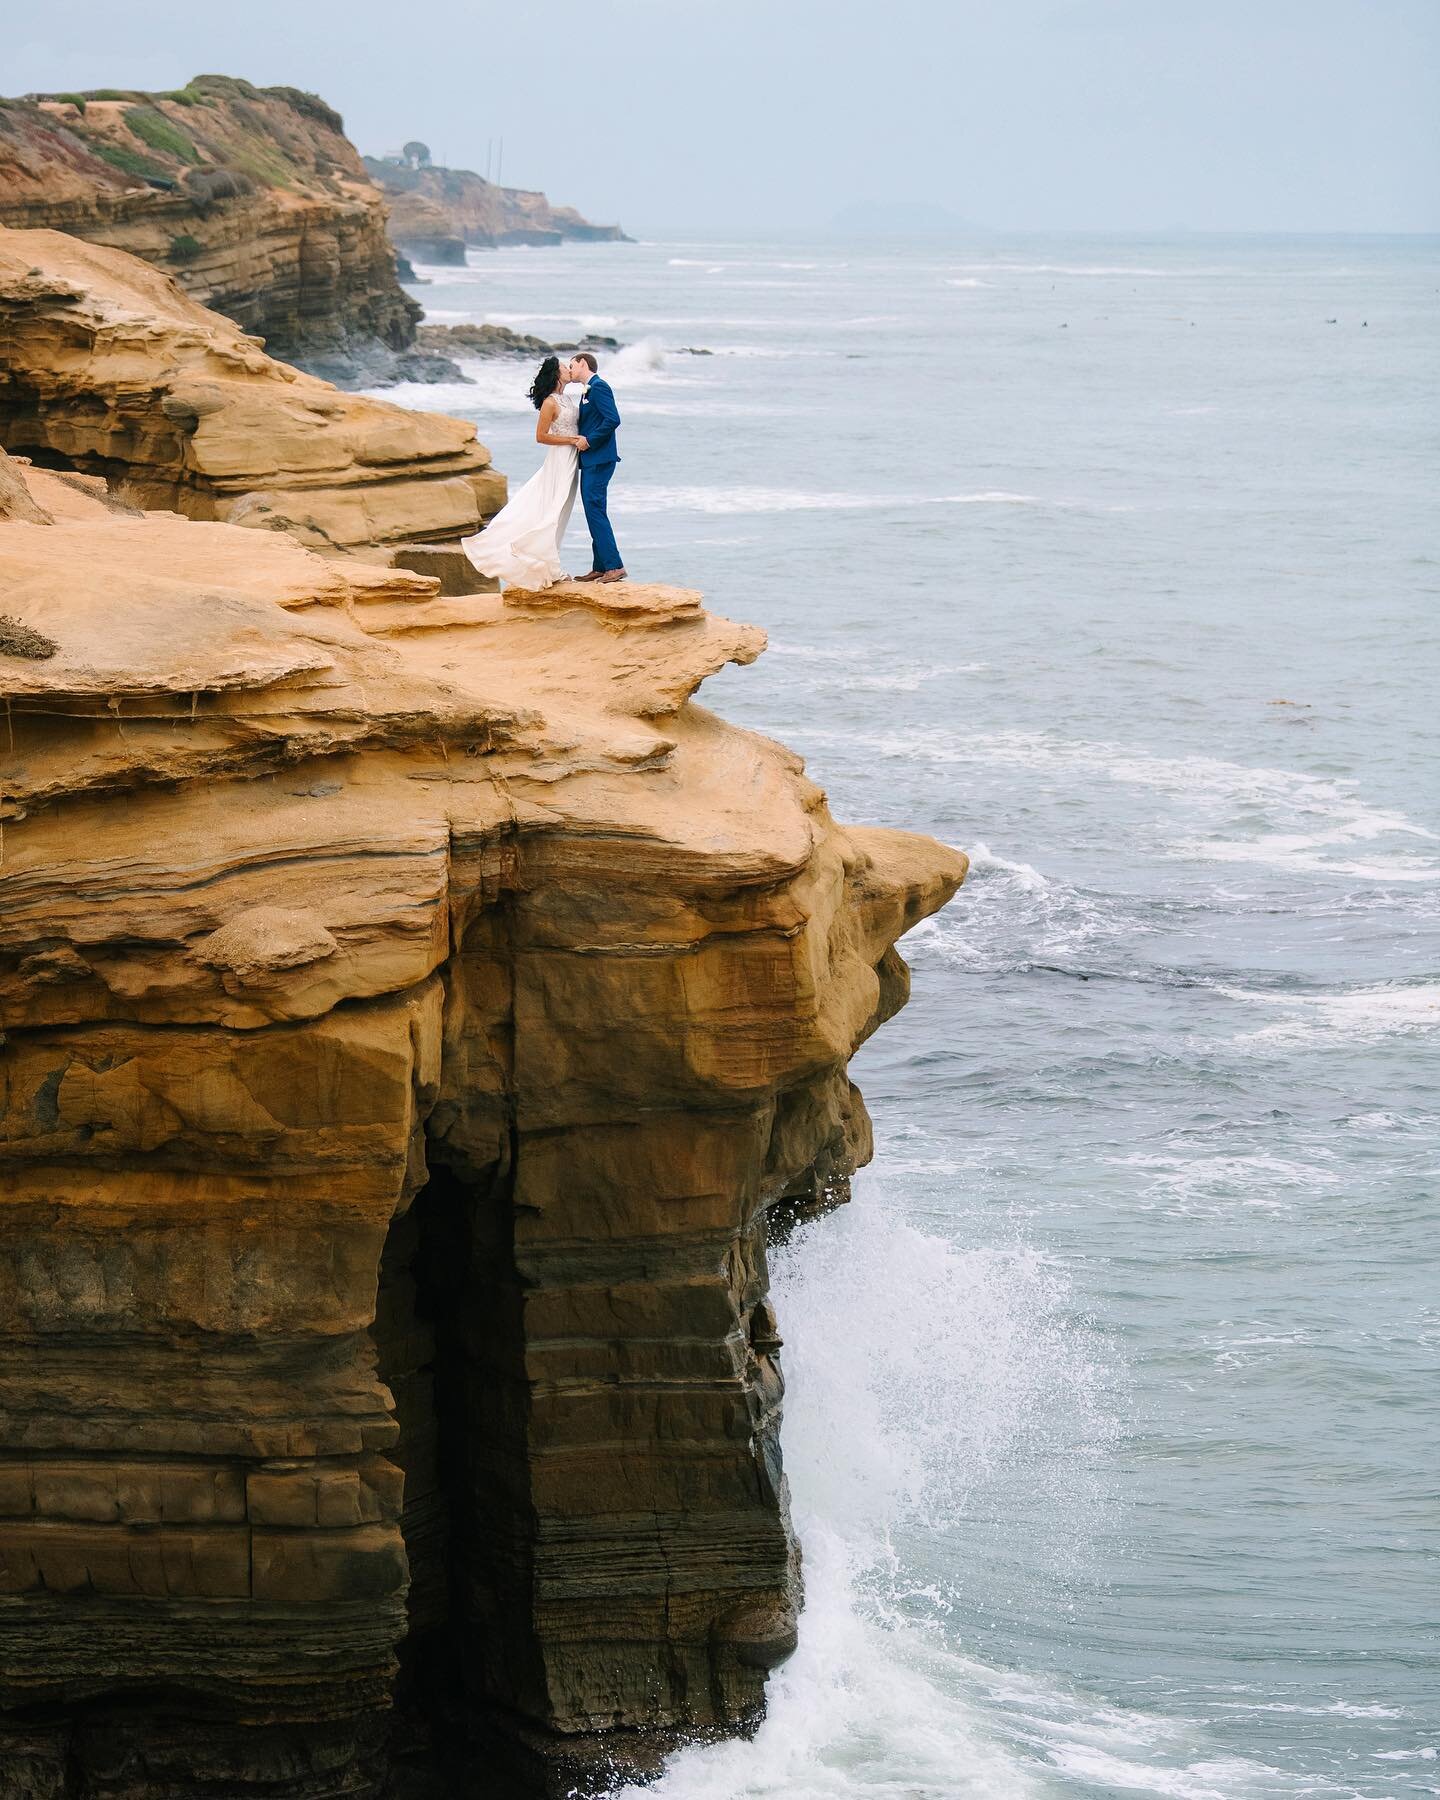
[(613, 575), (594, 575)]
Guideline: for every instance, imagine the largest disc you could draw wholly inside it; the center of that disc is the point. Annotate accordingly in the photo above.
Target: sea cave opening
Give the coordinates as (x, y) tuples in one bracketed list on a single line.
[(448, 1338)]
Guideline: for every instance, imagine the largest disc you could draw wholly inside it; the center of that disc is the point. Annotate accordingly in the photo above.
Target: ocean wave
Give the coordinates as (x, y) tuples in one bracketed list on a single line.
[(1334, 816), (491, 391), (637, 499), (1010, 918), (717, 268), (636, 361), (1315, 851), (1023, 268), (928, 1387), (769, 353), (1208, 1778), (837, 668), (1356, 1015), (1207, 1184), (934, 1393), (722, 409), (1342, 1709), (984, 861), (852, 1715), (900, 678), (502, 384)]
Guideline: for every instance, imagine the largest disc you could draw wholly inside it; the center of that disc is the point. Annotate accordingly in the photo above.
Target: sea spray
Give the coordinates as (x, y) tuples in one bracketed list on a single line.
[(931, 1389)]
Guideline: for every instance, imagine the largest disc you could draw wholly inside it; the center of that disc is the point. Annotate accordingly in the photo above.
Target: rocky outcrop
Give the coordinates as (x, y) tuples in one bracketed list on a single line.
[(253, 198), (108, 368), (435, 213), (499, 340), (413, 1007)]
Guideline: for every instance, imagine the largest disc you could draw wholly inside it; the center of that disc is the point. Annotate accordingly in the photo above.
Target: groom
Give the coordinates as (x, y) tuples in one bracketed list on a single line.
[(599, 420)]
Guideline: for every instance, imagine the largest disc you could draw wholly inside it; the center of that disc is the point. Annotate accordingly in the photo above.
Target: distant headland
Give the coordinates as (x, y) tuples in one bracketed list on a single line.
[(436, 213), (260, 207)]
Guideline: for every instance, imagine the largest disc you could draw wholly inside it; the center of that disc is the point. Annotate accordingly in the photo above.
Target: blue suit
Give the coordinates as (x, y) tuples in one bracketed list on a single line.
[(599, 421)]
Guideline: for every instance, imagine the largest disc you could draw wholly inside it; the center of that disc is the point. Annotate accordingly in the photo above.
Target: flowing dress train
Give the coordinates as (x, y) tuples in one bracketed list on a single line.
[(521, 544)]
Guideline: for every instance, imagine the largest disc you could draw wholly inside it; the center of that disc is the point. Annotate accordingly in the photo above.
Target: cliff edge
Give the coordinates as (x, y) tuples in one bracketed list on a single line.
[(413, 1008), (253, 198), (107, 368)]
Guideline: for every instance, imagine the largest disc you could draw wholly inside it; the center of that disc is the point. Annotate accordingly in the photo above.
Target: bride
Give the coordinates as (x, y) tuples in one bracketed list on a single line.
[(521, 544)]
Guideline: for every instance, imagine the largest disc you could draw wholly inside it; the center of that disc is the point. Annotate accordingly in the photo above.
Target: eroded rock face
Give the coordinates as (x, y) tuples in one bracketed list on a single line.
[(106, 365), (412, 1007), (252, 197)]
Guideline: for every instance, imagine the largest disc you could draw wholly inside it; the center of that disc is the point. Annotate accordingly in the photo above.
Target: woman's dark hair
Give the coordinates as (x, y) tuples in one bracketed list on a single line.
[(545, 382)]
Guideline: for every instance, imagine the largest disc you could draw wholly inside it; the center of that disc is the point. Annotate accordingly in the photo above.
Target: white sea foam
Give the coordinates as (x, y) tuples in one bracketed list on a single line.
[(904, 678), (853, 1715), (927, 1386), (1343, 1709), (1315, 851), (1011, 915), (1333, 815), (1210, 1183), (984, 861), (638, 498), (966, 281), (1213, 1778), (1359, 1015), (836, 666), (635, 361)]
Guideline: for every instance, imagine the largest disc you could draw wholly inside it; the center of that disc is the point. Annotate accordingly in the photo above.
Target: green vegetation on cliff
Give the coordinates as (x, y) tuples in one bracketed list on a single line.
[(251, 197)]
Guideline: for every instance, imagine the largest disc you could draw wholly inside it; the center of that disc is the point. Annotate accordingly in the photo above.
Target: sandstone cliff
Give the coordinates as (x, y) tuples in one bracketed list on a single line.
[(436, 212), (412, 1008), (253, 198), (107, 368)]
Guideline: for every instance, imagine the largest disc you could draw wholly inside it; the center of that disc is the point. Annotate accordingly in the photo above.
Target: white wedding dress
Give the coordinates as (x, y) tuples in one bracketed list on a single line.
[(521, 544)]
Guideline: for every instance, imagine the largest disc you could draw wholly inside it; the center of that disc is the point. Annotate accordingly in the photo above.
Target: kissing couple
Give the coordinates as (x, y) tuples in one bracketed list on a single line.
[(521, 544)]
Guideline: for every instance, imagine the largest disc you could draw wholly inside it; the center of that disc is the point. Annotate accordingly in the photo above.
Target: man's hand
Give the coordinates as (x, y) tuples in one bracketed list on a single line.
[(582, 443)]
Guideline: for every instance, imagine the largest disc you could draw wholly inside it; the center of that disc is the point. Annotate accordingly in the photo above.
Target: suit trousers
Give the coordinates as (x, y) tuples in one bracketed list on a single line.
[(594, 483)]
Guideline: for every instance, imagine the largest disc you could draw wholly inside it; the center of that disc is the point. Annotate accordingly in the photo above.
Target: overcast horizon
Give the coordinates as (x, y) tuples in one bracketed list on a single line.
[(1069, 115)]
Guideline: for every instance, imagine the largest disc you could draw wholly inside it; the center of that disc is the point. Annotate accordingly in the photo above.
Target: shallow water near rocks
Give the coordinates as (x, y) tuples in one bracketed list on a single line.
[(1113, 1395)]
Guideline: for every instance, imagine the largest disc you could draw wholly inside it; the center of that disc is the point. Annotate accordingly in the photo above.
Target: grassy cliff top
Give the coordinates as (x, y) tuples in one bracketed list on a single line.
[(215, 138)]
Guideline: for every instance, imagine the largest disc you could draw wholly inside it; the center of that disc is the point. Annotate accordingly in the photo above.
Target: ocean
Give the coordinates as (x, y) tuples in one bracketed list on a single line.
[(1112, 1397)]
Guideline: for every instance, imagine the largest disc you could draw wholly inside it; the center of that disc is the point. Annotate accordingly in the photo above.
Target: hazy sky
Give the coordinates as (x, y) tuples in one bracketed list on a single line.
[(1294, 115)]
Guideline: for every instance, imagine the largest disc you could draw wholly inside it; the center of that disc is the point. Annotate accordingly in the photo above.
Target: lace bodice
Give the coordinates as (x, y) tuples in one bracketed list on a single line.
[(567, 420)]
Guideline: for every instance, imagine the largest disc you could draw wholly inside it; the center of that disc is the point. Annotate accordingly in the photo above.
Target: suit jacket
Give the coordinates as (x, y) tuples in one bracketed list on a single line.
[(599, 421)]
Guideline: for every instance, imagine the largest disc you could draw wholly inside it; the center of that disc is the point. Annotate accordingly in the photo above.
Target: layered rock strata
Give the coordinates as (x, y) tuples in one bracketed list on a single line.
[(108, 368), (436, 212), (253, 198), (412, 1007)]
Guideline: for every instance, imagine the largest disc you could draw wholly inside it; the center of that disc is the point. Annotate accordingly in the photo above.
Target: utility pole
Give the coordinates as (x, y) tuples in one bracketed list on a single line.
[(500, 166), (489, 152)]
